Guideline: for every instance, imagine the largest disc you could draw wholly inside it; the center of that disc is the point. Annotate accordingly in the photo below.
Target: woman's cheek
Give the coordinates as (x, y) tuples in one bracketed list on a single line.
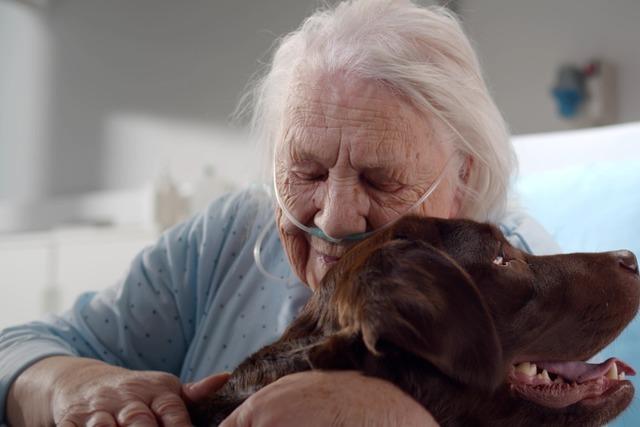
[(295, 246), (315, 269), (441, 204)]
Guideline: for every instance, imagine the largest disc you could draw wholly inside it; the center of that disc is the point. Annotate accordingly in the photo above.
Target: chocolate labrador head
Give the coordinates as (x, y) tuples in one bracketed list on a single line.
[(478, 331)]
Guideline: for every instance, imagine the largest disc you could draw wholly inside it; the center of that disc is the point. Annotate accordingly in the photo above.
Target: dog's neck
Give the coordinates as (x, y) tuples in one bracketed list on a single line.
[(318, 316)]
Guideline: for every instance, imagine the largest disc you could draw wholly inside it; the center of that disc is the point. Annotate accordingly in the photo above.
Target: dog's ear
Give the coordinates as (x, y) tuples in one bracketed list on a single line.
[(415, 298)]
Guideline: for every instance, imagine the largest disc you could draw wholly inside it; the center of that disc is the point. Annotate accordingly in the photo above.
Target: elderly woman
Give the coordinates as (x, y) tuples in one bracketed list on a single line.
[(368, 111)]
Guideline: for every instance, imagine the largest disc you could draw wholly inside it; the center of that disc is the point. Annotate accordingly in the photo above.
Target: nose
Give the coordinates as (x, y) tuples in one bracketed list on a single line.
[(627, 260), (343, 210)]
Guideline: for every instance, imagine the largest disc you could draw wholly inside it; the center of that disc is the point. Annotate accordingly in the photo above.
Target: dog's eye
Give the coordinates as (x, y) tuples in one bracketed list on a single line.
[(501, 258)]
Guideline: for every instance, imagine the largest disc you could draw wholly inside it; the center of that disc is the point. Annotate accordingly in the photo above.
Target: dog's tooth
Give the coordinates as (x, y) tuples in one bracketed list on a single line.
[(523, 367), (621, 376), (612, 373), (527, 368), (545, 375)]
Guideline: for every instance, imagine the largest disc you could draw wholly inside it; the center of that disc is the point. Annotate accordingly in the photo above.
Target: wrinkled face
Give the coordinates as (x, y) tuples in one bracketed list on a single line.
[(352, 156)]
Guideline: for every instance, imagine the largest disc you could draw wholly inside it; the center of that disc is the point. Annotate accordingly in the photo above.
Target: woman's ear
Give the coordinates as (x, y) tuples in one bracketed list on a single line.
[(465, 169), (414, 298)]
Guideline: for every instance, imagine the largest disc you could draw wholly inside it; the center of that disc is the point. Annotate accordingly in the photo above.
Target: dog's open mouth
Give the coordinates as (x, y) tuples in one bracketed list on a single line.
[(560, 384)]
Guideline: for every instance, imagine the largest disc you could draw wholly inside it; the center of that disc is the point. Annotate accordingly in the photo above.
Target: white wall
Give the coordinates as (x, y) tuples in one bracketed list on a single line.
[(522, 42), (182, 61), (185, 61), (24, 96)]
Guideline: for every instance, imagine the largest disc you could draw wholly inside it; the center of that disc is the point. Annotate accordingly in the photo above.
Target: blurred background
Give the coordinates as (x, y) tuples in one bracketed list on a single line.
[(114, 124)]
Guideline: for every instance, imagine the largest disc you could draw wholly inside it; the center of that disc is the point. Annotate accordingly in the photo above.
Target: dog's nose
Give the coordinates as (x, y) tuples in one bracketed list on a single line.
[(627, 260)]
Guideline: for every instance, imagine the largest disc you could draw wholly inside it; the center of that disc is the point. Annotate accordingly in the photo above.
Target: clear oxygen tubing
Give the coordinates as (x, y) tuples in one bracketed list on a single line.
[(257, 252), (316, 231)]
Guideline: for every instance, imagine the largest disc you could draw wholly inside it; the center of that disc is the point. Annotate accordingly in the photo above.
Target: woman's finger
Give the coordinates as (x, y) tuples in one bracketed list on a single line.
[(242, 415), (101, 419), (136, 414), (205, 387), (238, 418), (171, 411)]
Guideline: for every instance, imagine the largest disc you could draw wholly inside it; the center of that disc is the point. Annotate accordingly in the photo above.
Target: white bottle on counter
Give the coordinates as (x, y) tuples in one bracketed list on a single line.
[(169, 206), (208, 188)]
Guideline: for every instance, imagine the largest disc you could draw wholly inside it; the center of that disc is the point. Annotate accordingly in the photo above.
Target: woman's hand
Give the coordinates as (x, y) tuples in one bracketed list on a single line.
[(70, 392), (336, 398)]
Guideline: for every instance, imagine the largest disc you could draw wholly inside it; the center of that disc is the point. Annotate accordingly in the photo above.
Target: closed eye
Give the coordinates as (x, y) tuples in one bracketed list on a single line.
[(307, 172), (311, 177), (381, 183)]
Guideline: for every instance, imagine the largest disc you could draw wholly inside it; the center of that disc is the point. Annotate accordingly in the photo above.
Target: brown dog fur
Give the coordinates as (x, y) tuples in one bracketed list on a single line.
[(423, 305)]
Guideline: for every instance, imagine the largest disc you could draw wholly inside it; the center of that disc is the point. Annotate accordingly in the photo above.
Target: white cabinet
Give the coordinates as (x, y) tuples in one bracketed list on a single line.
[(46, 271), (24, 273)]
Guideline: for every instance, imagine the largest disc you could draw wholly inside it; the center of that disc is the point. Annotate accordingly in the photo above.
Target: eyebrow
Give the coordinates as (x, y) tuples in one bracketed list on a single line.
[(303, 155)]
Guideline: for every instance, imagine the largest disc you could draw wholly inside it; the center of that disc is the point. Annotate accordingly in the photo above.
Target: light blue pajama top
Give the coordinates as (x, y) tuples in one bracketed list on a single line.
[(194, 303)]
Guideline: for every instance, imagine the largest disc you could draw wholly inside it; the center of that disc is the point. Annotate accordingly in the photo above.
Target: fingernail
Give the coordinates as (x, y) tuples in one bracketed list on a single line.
[(195, 384), (189, 386)]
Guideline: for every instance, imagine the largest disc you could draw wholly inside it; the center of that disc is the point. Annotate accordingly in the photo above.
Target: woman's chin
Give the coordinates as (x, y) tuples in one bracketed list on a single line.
[(314, 277), (310, 264), (317, 266)]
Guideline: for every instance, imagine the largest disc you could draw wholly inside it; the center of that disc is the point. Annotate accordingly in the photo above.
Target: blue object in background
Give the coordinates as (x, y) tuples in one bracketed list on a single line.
[(569, 91), (569, 101), (594, 208)]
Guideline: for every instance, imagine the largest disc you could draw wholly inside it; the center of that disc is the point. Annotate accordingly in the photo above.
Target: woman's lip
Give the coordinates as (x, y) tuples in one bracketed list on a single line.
[(325, 258), (331, 252), (328, 259)]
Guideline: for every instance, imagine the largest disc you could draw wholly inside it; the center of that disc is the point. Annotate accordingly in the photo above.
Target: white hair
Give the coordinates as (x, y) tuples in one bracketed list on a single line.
[(422, 54)]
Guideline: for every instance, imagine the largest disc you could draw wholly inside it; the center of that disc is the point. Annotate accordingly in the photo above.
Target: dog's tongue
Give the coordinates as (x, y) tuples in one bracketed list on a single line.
[(581, 371)]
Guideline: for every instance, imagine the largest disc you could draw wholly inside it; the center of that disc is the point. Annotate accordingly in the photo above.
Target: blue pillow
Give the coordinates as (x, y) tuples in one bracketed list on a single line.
[(593, 208)]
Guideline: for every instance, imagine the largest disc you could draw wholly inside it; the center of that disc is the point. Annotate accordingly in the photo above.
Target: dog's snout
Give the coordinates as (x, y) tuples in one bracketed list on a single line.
[(627, 260)]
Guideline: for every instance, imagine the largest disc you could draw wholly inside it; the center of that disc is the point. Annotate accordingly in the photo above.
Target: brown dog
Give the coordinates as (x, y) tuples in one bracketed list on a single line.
[(477, 331)]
